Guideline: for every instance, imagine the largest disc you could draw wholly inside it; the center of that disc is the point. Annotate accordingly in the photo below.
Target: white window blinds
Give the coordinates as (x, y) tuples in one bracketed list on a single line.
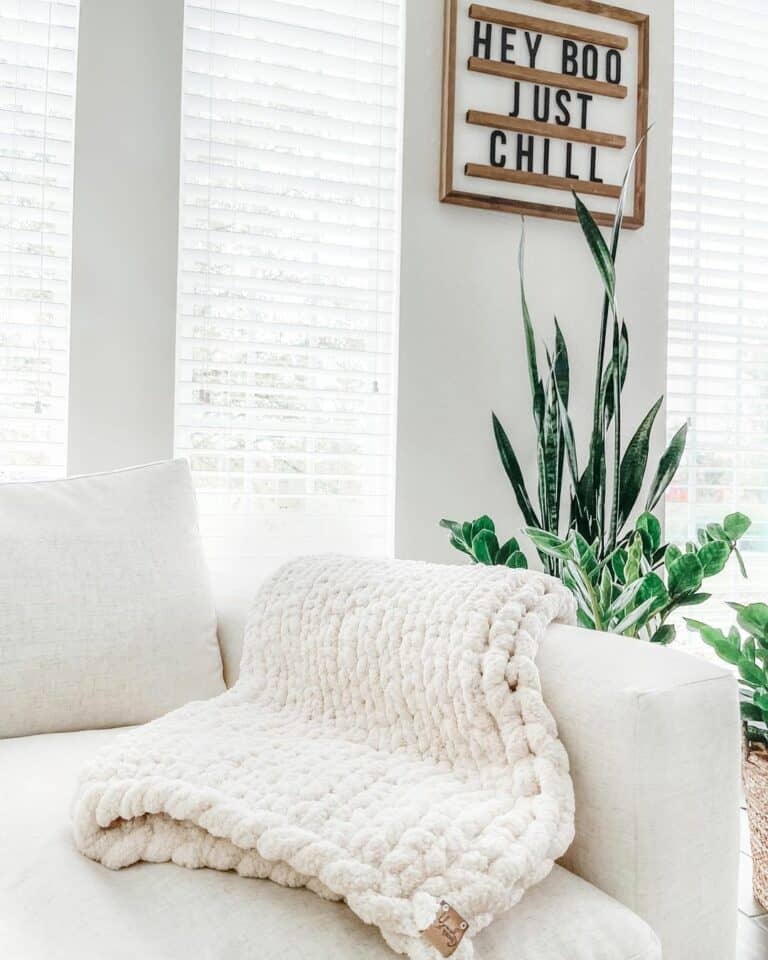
[(718, 333), (38, 41), (287, 284)]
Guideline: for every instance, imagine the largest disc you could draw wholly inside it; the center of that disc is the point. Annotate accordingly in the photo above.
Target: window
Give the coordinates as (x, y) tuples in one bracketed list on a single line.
[(287, 275), (38, 42), (718, 334)]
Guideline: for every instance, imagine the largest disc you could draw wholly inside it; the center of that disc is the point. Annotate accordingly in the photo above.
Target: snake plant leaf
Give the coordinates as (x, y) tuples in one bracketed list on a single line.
[(485, 546), (634, 618), (482, 523), (599, 250), (537, 389), (517, 561), (634, 462), (713, 557), (668, 464), (549, 543), (606, 589), (514, 473), (664, 635), (685, 575), (736, 525), (561, 366), (607, 390), (751, 673)]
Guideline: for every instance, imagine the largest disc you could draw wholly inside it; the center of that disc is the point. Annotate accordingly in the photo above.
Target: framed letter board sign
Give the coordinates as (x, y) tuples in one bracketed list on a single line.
[(541, 97)]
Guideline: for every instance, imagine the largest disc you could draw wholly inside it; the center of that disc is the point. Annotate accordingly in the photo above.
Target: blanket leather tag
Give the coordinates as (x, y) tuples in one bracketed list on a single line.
[(446, 930)]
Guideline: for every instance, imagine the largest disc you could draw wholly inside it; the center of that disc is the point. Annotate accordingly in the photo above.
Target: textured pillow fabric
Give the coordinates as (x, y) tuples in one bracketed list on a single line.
[(106, 613)]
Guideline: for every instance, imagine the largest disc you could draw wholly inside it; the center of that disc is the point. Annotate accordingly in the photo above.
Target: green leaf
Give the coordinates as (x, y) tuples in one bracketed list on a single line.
[(692, 599), (673, 553), (549, 543), (749, 650), (664, 635), (727, 652), (561, 366), (608, 395), (482, 523), (761, 701), (606, 589), (636, 618), (751, 673), (736, 525), (716, 532), (710, 635), (584, 620), (599, 249), (517, 560), (586, 554), (457, 529), (668, 464), (648, 523), (752, 618), (634, 556), (506, 550), (537, 390), (466, 532), (619, 563), (652, 586), (634, 462), (485, 546), (685, 575), (460, 545), (751, 711), (514, 473), (713, 557)]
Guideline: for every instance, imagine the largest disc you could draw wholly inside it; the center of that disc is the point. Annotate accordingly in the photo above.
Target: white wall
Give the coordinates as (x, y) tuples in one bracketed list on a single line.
[(461, 345), (125, 233)]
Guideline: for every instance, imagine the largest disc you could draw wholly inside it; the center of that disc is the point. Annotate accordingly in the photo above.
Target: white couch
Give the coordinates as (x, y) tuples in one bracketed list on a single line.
[(652, 736)]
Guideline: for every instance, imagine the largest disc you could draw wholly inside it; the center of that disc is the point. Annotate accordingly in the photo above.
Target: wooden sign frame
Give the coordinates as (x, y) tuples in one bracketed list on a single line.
[(448, 194)]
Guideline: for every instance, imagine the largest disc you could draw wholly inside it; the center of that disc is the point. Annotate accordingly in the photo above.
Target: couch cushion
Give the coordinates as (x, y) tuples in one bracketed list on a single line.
[(56, 903), (105, 604)]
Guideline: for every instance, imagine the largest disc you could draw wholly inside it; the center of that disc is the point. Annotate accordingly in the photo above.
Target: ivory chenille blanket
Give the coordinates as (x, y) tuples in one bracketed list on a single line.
[(386, 744)]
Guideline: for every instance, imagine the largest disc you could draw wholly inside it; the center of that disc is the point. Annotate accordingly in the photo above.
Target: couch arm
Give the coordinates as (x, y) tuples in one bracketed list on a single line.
[(653, 740)]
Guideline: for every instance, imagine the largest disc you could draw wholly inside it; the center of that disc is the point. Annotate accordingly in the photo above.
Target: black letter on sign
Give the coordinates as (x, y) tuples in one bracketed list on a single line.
[(570, 63), (585, 99), (545, 162), (540, 113), (524, 153), (515, 111), (593, 167), (562, 99), (613, 66), (533, 48), (569, 161), (589, 62), (498, 137), (484, 42), (507, 45)]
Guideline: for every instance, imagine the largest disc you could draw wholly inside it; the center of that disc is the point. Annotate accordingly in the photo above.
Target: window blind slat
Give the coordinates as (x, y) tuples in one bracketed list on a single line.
[(718, 336), (286, 318), (38, 52)]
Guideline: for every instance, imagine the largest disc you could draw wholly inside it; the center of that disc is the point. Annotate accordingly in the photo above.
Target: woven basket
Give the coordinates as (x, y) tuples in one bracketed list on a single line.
[(755, 771)]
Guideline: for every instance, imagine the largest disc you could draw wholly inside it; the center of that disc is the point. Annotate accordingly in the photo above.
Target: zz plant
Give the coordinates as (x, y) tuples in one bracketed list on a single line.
[(749, 653), (635, 589)]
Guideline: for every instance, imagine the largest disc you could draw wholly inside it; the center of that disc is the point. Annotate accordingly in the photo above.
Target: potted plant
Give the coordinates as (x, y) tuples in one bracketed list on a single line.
[(748, 652)]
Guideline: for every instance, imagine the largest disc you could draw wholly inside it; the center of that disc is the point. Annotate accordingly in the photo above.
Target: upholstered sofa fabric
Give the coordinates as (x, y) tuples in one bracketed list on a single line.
[(387, 743), (105, 604), (57, 905)]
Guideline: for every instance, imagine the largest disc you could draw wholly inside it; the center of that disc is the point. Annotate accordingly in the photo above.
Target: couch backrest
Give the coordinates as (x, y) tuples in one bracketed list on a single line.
[(106, 609)]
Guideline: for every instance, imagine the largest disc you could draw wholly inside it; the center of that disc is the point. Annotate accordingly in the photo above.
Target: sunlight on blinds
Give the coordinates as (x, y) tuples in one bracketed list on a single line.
[(38, 42), (718, 332), (286, 330)]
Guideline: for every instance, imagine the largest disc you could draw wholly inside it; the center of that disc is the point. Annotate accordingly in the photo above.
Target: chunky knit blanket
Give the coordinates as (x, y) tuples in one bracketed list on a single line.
[(386, 744)]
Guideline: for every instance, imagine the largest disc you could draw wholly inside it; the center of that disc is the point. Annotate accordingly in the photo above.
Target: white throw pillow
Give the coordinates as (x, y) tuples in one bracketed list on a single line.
[(106, 613)]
